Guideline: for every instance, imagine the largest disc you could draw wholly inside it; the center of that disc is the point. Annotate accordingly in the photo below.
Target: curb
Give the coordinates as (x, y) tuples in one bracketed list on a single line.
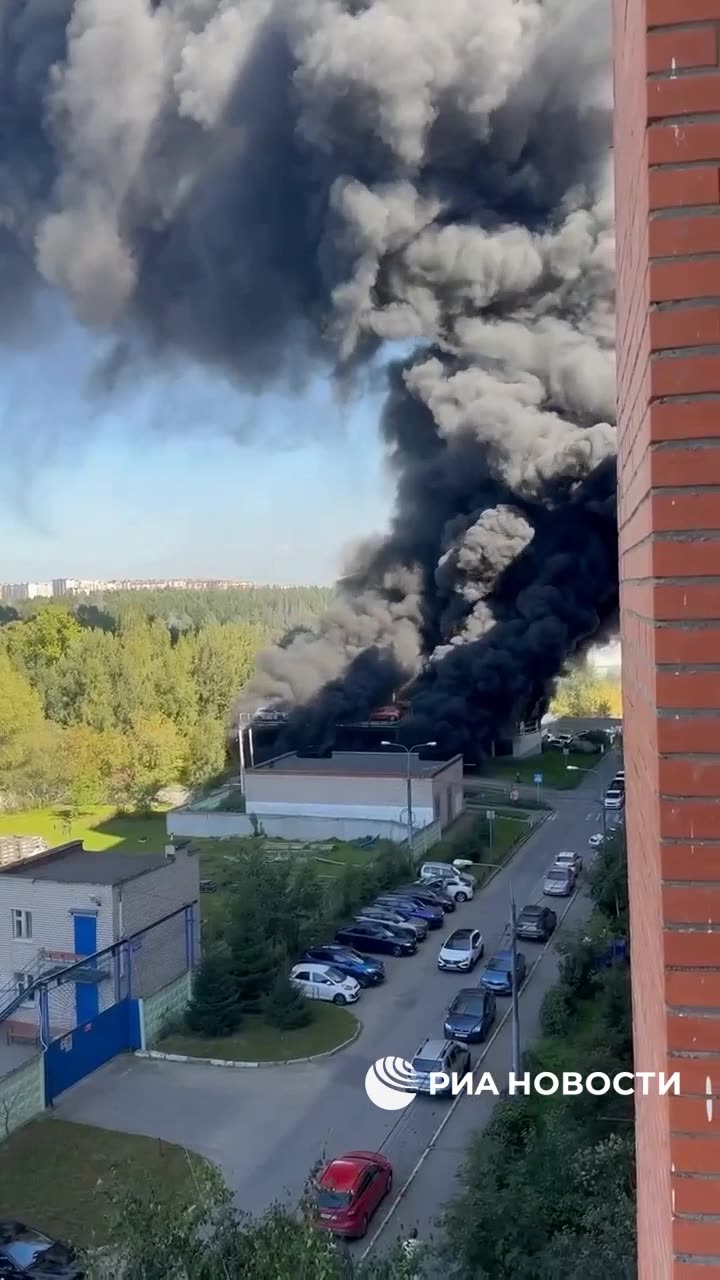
[(157, 1056), (535, 826)]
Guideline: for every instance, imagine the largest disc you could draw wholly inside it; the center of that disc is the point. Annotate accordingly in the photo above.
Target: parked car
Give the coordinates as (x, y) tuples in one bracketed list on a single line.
[(470, 1015), (535, 923), (27, 1253), (387, 916), (385, 715), (435, 1056), (498, 975), (375, 937), (400, 928), (458, 890), (324, 982), (620, 776), (445, 871), (349, 1190), (596, 841), (461, 950), (431, 897), (571, 860), (559, 882), (414, 907), (369, 973), (614, 798)]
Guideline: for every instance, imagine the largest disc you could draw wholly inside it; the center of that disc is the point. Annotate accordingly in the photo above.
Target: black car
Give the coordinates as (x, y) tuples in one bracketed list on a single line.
[(431, 892), (365, 936), (367, 972), (27, 1254), (429, 912), (536, 923), (470, 1015)]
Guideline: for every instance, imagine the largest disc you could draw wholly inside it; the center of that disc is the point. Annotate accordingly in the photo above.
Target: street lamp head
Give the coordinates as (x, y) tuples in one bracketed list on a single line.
[(431, 744), (385, 743)]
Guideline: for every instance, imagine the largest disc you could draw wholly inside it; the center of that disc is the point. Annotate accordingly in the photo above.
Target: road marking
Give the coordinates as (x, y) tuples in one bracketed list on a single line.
[(553, 816), (433, 1141)]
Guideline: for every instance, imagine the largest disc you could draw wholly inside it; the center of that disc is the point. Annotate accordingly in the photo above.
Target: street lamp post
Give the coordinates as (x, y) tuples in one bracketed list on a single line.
[(514, 992), (409, 751), (576, 768)]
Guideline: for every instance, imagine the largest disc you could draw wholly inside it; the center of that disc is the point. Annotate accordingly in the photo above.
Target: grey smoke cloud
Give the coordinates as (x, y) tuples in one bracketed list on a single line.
[(272, 187)]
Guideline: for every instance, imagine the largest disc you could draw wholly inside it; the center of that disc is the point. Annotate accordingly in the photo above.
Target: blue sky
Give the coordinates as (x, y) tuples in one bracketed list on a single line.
[(184, 477)]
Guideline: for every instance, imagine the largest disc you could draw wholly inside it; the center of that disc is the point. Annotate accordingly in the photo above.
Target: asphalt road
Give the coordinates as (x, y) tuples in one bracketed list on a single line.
[(266, 1128)]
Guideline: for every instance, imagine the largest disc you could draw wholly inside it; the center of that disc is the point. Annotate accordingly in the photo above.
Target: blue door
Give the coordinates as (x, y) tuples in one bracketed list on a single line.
[(86, 993)]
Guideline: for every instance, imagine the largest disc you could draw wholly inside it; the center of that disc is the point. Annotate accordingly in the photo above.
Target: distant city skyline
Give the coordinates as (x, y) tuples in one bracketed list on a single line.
[(57, 588)]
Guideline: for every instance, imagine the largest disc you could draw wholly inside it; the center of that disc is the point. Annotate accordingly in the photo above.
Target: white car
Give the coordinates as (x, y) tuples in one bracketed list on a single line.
[(597, 840), (571, 860), (459, 890), (462, 950), (323, 982), (614, 799)]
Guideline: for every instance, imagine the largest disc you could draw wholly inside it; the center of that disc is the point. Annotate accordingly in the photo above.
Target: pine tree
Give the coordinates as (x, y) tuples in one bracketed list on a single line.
[(286, 1007), (253, 962), (214, 1009)]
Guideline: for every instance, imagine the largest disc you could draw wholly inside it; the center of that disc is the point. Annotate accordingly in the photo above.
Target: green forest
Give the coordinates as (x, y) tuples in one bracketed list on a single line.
[(109, 700)]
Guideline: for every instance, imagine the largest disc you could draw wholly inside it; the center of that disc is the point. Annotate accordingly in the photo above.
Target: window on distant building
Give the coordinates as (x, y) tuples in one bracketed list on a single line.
[(23, 982), (21, 922), (436, 807)]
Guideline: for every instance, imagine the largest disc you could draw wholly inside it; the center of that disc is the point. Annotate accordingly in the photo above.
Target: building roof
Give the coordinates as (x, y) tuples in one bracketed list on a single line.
[(72, 864), (371, 764)]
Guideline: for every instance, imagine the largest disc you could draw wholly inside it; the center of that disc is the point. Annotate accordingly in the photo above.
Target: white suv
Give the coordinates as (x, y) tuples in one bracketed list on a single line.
[(459, 890)]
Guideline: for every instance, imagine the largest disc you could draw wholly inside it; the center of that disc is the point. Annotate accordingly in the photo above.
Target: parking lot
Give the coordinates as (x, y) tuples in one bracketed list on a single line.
[(267, 1127)]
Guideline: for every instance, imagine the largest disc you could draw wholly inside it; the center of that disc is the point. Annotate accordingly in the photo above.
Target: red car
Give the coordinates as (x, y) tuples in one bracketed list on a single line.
[(386, 715), (349, 1190)]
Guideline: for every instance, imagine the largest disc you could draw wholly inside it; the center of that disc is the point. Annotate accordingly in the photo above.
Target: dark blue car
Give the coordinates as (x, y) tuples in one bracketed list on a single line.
[(364, 970), (470, 1015), (414, 907), (498, 974)]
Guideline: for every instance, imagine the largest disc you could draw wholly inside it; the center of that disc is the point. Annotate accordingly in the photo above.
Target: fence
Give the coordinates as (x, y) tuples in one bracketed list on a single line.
[(82, 1014)]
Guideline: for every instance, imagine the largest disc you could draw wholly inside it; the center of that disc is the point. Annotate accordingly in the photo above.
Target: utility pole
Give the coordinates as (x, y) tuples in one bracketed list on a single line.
[(409, 751), (515, 999), (490, 815), (409, 805), (241, 750)]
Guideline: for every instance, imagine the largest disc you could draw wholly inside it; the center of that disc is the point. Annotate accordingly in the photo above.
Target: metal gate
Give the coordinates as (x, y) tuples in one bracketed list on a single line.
[(73, 1056)]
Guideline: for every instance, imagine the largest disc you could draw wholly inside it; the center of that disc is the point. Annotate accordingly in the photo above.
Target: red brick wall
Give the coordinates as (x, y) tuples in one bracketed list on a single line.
[(667, 175)]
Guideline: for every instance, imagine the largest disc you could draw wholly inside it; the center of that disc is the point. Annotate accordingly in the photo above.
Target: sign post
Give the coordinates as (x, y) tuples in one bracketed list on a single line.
[(490, 815), (538, 783)]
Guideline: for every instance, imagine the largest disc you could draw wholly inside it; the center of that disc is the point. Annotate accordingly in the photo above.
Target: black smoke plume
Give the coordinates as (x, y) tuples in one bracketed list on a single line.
[(276, 187)]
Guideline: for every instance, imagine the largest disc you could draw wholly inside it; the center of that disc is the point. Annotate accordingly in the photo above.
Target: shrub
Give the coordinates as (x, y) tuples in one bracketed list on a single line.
[(556, 1011), (214, 1008), (285, 1006)]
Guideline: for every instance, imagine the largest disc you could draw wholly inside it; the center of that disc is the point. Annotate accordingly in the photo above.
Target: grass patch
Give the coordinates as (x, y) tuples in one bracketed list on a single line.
[(49, 1171), (551, 764), (99, 828), (257, 1042), (470, 838)]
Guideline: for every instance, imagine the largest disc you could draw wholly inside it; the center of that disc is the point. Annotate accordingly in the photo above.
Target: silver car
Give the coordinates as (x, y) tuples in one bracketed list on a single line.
[(559, 882)]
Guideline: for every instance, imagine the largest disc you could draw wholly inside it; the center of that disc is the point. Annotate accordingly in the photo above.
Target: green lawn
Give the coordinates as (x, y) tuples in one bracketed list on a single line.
[(50, 1169), (551, 764), (98, 828), (256, 1042)]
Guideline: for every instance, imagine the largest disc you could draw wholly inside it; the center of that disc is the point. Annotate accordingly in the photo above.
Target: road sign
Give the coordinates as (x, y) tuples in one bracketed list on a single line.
[(489, 814), (538, 779)]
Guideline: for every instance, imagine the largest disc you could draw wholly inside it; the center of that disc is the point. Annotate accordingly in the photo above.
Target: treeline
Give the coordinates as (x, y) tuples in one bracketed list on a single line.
[(588, 692), (548, 1188), (111, 710), (276, 609)]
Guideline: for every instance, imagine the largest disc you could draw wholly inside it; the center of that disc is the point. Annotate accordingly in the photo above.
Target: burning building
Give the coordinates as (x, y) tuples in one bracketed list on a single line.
[(272, 188)]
